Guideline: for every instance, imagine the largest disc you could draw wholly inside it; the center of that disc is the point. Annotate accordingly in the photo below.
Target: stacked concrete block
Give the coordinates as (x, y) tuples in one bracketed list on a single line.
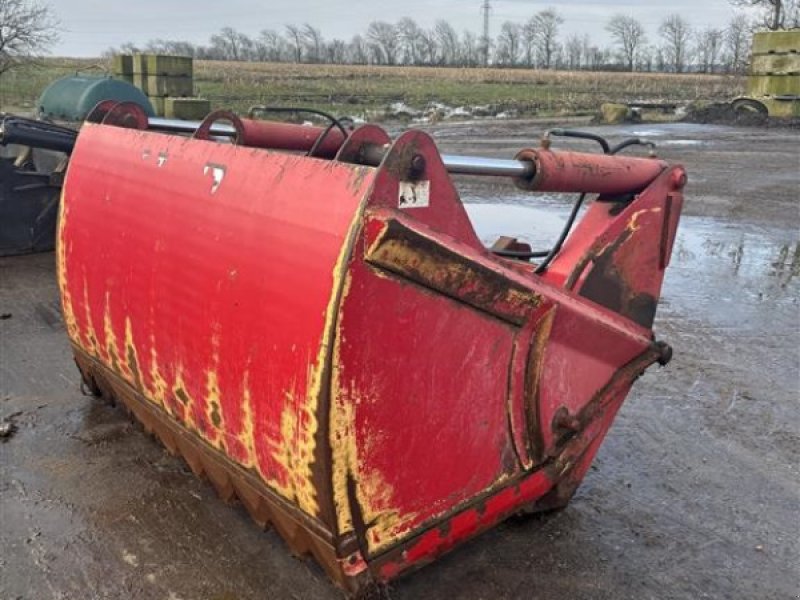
[(168, 82), (122, 65), (775, 71), (191, 109)]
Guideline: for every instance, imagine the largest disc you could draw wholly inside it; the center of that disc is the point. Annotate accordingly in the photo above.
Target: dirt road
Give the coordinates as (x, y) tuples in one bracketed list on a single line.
[(695, 494)]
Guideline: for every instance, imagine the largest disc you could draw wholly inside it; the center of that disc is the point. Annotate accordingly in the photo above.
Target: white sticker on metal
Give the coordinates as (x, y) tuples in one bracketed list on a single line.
[(414, 194), (217, 174)]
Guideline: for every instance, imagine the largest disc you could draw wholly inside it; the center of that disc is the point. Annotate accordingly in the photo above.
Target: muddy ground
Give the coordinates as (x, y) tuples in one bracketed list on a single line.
[(695, 494)]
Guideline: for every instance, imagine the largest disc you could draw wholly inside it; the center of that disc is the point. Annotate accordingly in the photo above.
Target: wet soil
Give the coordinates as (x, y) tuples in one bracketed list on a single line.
[(695, 493)]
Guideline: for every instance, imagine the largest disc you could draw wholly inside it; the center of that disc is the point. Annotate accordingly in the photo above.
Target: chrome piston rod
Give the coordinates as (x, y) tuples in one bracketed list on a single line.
[(455, 164)]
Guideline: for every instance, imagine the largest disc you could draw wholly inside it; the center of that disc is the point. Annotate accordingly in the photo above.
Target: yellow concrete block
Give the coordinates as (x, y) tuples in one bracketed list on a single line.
[(166, 85), (190, 109), (776, 41)]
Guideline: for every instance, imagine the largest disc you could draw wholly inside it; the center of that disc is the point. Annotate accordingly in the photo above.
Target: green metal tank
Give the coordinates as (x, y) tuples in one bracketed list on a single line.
[(71, 98)]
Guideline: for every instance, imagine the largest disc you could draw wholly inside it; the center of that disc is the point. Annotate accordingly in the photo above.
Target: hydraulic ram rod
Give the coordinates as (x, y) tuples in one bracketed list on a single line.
[(462, 165), (542, 170), (28, 132)]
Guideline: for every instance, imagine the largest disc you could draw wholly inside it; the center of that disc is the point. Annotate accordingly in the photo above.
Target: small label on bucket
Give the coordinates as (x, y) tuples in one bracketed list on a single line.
[(414, 194)]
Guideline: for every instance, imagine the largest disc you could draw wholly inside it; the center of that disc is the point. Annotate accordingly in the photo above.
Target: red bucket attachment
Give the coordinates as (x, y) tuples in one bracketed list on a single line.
[(332, 344)]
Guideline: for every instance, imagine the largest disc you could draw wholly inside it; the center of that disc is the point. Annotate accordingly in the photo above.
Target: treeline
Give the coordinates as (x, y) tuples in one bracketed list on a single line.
[(536, 43)]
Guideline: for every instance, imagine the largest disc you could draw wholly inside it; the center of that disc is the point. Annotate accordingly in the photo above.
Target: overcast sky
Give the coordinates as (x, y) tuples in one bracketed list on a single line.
[(90, 27)]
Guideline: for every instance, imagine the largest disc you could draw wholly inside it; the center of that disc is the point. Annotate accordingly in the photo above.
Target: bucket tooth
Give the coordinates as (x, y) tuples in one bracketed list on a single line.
[(221, 481)]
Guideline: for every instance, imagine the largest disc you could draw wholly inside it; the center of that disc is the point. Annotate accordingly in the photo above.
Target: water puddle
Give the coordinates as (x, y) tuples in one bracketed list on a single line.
[(726, 273), (683, 143)]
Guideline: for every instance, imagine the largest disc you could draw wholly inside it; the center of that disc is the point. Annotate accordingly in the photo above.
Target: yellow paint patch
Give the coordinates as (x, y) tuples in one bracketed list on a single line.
[(373, 493), (131, 355), (70, 321), (285, 452), (185, 401), (90, 334), (633, 222), (214, 410), (111, 348), (299, 425), (158, 392), (246, 435), (375, 496)]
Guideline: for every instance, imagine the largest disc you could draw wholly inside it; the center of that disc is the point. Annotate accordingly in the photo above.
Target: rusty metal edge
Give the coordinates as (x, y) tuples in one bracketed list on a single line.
[(231, 482), (493, 286)]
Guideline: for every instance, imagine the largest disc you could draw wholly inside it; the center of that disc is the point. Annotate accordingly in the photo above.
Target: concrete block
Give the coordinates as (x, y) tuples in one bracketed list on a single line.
[(139, 62), (166, 85), (174, 66), (776, 41), (782, 108), (140, 81), (767, 64), (773, 85), (158, 104), (190, 109), (122, 65)]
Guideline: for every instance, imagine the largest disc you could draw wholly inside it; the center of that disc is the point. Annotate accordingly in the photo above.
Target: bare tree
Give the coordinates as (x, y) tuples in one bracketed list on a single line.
[(709, 44), (645, 59), (410, 40), (295, 37), (528, 42), (470, 49), (429, 46), (546, 24), (791, 10), (574, 52), (313, 43), (508, 43), (676, 33), (27, 29), (230, 44), (737, 43), (628, 33), (385, 41), (336, 51), (271, 46), (773, 11), (448, 42), (357, 51)]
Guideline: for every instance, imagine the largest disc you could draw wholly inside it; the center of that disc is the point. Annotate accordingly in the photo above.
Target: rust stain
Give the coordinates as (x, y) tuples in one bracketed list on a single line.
[(111, 348), (131, 355), (606, 284), (357, 178), (295, 450), (90, 334), (246, 435), (185, 404), (214, 419), (285, 451), (261, 502), (408, 253), (158, 393), (363, 499), (533, 381), (299, 424)]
